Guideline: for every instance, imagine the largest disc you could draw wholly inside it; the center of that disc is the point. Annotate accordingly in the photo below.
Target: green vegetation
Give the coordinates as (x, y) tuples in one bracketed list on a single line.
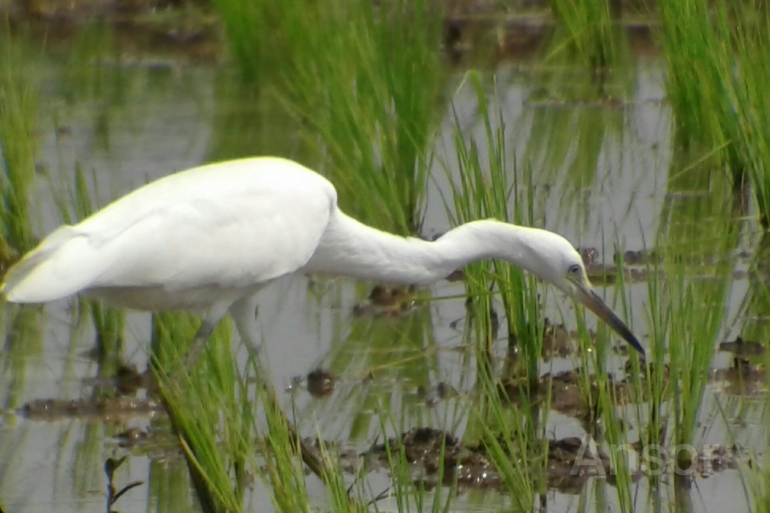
[(716, 83), (18, 122), (208, 411), (485, 184), (358, 91), (364, 80), (590, 27)]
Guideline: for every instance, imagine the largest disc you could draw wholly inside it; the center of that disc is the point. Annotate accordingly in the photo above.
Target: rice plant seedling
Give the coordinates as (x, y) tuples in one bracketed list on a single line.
[(216, 413), (700, 237), (691, 344), (376, 113), (746, 86), (694, 54), (396, 350), (358, 91), (249, 121), (82, 80), (488, 187), (484, 185), (18, 123), (655, 387), (513, 434), (23, 337), (590, 27), (606, 419), (408, 490), (759, 483), (18, 147), (688, 286), (261, 36), (96, 78), (716, 84), (208, 411), (365, 80)]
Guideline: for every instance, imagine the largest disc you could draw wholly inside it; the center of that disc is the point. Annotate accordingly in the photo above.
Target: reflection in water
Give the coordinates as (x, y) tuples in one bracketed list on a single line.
[(602, 175)]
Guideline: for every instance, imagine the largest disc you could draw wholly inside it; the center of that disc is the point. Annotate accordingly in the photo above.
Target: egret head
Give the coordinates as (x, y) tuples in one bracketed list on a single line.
[(561, 265)]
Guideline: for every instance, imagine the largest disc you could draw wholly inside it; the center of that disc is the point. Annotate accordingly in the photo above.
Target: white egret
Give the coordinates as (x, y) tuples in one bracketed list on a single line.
[(211, 237)]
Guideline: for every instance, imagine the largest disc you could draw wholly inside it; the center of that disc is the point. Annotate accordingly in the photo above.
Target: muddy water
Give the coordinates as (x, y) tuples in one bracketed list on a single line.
[(147, 121)]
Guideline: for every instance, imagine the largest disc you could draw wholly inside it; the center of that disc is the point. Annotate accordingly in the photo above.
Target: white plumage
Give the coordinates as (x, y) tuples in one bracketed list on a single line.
[(215, 228), (210, 237)]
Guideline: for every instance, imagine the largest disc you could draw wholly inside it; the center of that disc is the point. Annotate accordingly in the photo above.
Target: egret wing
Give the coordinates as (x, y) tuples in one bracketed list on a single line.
[(234, 224), (243, 241)]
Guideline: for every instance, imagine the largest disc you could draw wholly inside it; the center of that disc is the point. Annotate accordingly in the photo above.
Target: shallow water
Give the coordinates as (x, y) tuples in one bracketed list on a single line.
[(143, 122)]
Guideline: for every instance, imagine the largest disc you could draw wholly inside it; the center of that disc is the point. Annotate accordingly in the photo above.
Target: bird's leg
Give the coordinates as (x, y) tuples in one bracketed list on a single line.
[(244, 313), (210, 321)]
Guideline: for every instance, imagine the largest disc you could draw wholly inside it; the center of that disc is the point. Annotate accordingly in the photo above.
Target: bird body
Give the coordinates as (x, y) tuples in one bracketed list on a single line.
[(219, 230), (211, 237)]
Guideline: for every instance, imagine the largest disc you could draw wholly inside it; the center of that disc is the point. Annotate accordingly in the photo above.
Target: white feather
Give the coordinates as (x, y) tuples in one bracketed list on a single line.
[(234, 225), (209, 238)]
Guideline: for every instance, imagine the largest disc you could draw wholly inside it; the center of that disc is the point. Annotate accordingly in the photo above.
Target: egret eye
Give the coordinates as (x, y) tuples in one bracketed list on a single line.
[(574, 269)]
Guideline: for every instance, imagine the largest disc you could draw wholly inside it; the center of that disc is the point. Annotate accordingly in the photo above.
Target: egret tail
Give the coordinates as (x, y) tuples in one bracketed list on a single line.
[(63, 264)]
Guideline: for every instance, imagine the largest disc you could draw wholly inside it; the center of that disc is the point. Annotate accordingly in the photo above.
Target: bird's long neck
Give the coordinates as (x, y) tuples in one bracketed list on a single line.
[(350, 248)]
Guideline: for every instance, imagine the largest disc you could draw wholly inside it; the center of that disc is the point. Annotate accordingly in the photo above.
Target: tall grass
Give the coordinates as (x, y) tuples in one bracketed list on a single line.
[(747, 87), (18, 148), (696, 240), (716, 84), (695, 55), (208, 411), (401, 351), (590, 28), (484, 181), (364, 79), (18, 123), (217, 413), (485, 184)]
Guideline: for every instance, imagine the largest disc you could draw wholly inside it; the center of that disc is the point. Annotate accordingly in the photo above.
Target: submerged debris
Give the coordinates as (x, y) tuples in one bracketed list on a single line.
[(387, 301), (157, 442), (590, 256), (132, 437), (105, 408), (126, 381), (432, 395), (320, 383), (110, 466), (742, 378), (432, 454), (558, 341), (566, 392), (740, 347)]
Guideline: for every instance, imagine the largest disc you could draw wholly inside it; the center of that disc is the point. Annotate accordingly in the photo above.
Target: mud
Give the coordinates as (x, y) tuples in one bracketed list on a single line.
[(742, 378), (740, 347), (108, 410), (437, 457), (320, 383), (386, 301)]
